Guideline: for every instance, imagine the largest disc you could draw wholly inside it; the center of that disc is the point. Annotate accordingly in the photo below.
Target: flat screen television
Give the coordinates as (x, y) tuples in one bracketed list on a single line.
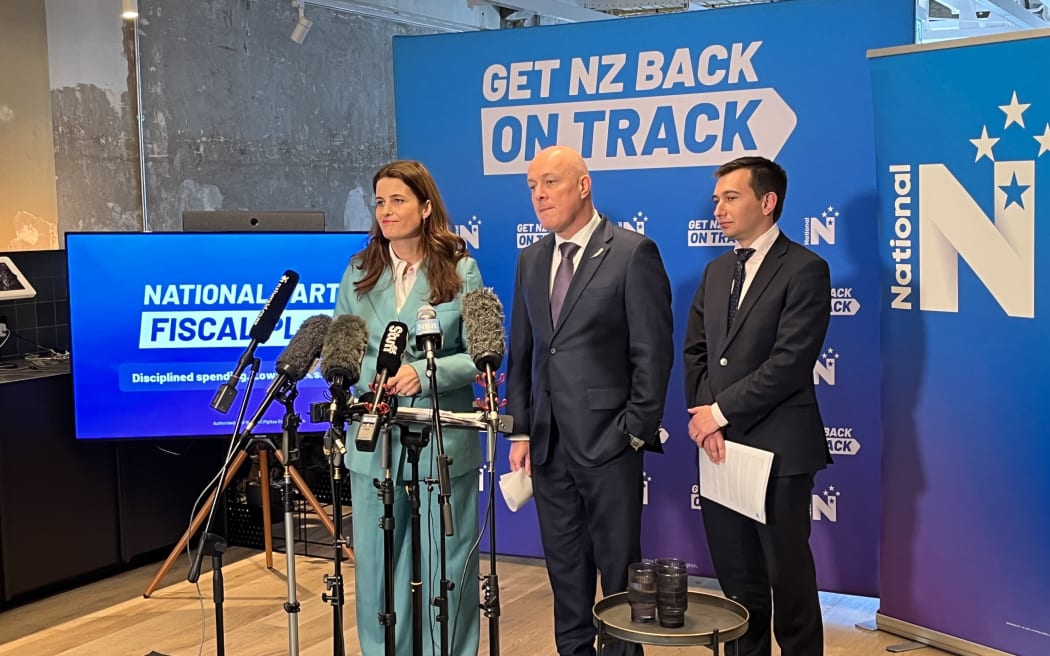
[(242, 220), (159, 320)]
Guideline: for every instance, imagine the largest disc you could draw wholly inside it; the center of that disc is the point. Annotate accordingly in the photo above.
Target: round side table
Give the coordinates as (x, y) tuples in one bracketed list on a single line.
[(710, 621)]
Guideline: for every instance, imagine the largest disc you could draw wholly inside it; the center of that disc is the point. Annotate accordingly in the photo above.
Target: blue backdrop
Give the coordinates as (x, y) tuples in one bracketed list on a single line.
[(963, 166), (655, 104)]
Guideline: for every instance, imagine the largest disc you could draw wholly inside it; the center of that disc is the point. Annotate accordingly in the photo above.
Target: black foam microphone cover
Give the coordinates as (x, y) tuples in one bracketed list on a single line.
[(343, 350), (392, 348), (271, 312), (304, 348), (483, 323)]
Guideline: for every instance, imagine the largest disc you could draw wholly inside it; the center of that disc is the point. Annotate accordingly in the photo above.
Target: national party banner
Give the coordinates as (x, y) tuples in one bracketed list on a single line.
[(963, 134), (655, 104)]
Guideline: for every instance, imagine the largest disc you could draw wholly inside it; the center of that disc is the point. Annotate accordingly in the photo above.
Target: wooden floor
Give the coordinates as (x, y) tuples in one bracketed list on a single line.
[(112, 618)]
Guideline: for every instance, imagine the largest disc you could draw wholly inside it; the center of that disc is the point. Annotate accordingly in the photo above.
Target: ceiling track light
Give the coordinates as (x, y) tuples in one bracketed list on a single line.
[(302, 26), (129, 9)]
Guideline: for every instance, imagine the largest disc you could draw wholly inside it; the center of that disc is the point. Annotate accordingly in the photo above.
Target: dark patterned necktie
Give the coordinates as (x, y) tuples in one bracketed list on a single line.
[(739, 275), (562, 278)]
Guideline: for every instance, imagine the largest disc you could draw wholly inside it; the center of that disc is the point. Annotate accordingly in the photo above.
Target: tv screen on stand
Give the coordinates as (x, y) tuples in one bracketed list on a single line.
[(159, 320)]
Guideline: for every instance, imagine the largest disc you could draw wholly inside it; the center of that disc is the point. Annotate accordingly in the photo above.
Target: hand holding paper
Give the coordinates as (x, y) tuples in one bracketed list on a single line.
[(517, 489), (739, 482)]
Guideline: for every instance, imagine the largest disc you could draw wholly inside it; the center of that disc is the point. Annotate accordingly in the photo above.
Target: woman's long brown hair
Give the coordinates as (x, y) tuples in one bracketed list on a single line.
[(442, 248)]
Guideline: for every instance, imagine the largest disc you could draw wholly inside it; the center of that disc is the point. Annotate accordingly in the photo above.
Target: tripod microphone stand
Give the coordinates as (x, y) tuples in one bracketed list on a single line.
[(212, 544), (490, 583), (231, 472), (414, 442), (335, 448), (444, 495), (388, 617), (290, 452)]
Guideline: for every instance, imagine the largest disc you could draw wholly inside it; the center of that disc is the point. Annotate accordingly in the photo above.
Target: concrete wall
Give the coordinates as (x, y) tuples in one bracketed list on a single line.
[(236, 115)]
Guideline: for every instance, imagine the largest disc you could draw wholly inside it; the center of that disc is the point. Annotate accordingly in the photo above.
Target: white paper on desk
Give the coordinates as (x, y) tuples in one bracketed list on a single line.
[(738, 483)]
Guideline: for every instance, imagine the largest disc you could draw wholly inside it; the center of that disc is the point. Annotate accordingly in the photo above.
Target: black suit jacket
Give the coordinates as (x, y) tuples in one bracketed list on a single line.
[(603, 370), (761, 370)]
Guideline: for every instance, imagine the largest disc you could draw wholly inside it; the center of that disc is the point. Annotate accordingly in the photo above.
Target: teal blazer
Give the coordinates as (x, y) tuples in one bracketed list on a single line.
[(455, 370)]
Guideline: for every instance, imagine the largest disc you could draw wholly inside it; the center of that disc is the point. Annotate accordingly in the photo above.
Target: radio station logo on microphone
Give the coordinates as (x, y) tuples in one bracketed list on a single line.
[(636, 223), (390, 338), (841, 441), (817, 230), (982, 212), (825, 367), (530, 233), (843, 304), (825, 505), (705, 232), (470, 232)]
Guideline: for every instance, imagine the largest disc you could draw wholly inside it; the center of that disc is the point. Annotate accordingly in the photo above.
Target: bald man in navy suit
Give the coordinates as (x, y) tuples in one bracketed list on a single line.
[(590, 357), (755, 329)]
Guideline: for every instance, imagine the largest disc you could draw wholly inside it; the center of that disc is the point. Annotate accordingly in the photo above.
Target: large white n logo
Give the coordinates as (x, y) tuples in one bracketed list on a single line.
[(1000, 252)]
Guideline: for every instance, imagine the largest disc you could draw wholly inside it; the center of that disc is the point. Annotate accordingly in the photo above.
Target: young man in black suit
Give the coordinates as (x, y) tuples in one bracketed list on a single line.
[(755, 329), (590, 357)]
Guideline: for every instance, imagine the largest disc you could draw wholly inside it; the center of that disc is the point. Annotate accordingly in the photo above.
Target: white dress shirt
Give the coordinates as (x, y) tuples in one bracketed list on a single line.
[(404, 277)]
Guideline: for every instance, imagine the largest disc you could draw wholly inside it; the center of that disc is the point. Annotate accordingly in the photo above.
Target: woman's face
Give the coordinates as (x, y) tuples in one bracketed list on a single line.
[(398, 211)]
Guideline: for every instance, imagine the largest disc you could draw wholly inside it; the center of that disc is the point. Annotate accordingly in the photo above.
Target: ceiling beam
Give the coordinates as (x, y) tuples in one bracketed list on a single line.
[(1014, 10), (392, 14), (548, 8)]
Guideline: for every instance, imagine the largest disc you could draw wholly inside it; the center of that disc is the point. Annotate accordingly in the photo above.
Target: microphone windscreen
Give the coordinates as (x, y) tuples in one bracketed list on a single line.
[(483, 323), (344, 348), (297, 358), (392, 348), (426, 311), (271, 312)]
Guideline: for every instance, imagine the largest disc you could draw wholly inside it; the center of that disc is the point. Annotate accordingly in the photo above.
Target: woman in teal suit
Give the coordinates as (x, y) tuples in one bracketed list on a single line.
[(413, 258)]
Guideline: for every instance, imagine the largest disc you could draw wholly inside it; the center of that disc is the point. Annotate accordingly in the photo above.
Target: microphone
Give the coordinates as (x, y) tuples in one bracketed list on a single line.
[(295, 361), (259, 333), (342, 352), (391, 351), (483, 324), (428, 331)]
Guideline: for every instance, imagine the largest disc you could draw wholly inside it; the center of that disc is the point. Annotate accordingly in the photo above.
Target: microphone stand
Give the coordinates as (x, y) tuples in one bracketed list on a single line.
[(388, 616), (415, 442), (444, 494), (290, 437), (212, 544), (490, 583), (335, 447)]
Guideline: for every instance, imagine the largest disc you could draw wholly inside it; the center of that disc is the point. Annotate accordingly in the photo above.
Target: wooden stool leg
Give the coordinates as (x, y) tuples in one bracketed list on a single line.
[(264, 488)]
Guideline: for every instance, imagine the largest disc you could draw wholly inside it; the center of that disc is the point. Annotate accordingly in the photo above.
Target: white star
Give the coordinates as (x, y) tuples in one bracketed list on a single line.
[(1044, 141), (1014, 111), (984, 145)]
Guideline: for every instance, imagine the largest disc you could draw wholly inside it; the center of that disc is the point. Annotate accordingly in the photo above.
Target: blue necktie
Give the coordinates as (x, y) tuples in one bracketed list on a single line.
[(739, 275), (562, 278)]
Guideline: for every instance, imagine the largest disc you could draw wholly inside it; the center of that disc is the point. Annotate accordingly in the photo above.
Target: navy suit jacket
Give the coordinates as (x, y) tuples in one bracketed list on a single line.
[(602, 372), (761, 370)]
